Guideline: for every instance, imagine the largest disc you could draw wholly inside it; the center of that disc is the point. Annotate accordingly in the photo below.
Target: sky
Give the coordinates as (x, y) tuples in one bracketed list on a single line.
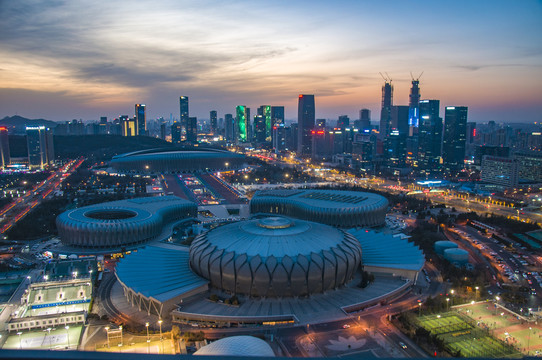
[(77, 59)]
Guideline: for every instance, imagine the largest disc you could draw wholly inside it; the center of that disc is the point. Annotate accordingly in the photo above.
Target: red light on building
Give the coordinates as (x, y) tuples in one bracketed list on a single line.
[(320, 132), (300, 96), (274, 128), (2, 128), (474, 132), (313, 132)]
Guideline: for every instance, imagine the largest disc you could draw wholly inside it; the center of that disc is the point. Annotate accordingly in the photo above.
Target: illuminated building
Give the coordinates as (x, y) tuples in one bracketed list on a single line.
[(413, 104), (277, 129), (503, 171), (365, 119), (183, 104), (305, 123), (140, 119), (4, 147), (265, 111), (454, 138), (128, 126), (213, 119), (396, 139), (260, 123), (242, 120), (429, 135), (229, 127), (176, 130), (343, 122), (39, 141)]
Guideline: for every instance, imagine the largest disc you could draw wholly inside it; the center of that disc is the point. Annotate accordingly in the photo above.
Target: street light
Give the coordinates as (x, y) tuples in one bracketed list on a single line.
[(448, 304), (49, 332), (107, 331), (160, 323), (529, 340), (120, 328), (29, 279), (452, 292), (68, 334), (148, 340), (419, 309), (20, 344), (476, 292)]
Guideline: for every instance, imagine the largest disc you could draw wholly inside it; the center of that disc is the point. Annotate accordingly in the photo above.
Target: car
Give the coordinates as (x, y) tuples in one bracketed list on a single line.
[(402, 344), (346, 326)]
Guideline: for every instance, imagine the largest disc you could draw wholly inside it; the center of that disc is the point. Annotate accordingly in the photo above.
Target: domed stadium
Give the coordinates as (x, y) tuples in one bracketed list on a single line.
[(237, 346), (275, 257), (176, 161), (120, 223), (338, 208)]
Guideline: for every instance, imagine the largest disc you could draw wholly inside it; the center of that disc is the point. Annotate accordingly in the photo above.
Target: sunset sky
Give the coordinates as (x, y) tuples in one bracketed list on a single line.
[(62, 60)]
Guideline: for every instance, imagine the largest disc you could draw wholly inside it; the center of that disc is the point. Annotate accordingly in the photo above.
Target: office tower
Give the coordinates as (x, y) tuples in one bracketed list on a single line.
[(260, 126), (183, 103), (102, 126), (192, 130), (305, 124), (129, 125), (242, 120), (37, 147), (454, 138), (163, 130), (471, 133), (385, 112), (398, 133), (413, 104), (176, 131), (429, 135), (141, 120), (277, 128), (343, 122), (320, 144), (491, 150), (4, 147), (229, 127), (503, 171), (213, 119), (365, 119), (530, 165), (49, 146), (265, 111)]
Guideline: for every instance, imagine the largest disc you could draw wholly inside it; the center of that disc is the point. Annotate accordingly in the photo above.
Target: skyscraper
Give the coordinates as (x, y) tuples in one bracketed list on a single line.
[(305, 121), (229, 127), (429, 135), (213, 119), (260, 125), (413, 104), (385, 112), (398, 133), (141, 120), (265, 111), (192, 130), (183, 102), (242, 120), (176, 130), (365, 119), (37, 141), (4, 147), (343, 122), (455, 135)]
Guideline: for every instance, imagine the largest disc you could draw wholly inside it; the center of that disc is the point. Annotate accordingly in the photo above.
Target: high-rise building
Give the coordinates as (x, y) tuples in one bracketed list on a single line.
[(429, 135), (305, 123), (365, 119), (277, 135), (242, 120), (260, 125), (129, 126), (4, 147), (140, 119), (40, 146), (343, 122), (183, 103), (214, 124), (163, 130), (413, 104), (192, 130), (454, 138), (265, 111), (398, 133), (385, 112), (503, 171), (229, 128), (176, 130)]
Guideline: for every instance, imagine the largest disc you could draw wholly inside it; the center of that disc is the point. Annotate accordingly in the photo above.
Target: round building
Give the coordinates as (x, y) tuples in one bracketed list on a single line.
[(176, 161), (332, 207), (121, 223), (275, 257)]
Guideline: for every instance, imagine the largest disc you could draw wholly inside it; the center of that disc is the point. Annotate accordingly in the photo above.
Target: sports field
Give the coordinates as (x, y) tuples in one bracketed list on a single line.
[(460, 335), (58, 338), (506, 326)]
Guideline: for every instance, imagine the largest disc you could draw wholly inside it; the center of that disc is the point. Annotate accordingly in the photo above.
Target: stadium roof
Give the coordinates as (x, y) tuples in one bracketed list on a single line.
[(237, 346), (161, 272), (338, 199), (387, 251)]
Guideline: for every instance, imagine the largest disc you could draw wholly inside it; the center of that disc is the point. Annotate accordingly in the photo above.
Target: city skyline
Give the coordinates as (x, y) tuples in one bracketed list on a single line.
[(60, 62)]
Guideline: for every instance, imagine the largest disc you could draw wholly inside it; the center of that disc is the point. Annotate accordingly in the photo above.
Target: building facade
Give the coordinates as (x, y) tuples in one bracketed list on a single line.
[(454, 137), (305, 121)]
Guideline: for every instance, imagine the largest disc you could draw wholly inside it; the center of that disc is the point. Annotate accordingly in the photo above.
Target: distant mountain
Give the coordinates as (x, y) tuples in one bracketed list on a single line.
[(17, 123)]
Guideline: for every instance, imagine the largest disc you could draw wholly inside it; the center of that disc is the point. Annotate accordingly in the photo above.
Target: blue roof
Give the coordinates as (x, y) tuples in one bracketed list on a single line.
[(161, 272), (385, 250)]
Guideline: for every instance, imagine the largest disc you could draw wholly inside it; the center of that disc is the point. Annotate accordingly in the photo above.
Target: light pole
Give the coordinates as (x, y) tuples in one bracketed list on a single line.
[(529, 340), (448, 304), (107, 331), (29, 279), (476, 298), (148, 340), (496, 303), (452, 297), (160, 323), (419, 309), (68, 334), (120, 328), (20, 344), (49, 332)]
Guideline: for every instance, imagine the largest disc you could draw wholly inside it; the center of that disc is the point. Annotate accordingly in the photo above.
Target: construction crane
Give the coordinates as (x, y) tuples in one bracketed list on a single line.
[(419, 76), (386, 78)]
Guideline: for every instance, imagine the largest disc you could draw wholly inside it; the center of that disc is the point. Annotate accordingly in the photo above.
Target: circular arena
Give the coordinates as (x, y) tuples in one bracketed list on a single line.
[(331, 207), (176, 161), (121, 223), (275, 257)]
